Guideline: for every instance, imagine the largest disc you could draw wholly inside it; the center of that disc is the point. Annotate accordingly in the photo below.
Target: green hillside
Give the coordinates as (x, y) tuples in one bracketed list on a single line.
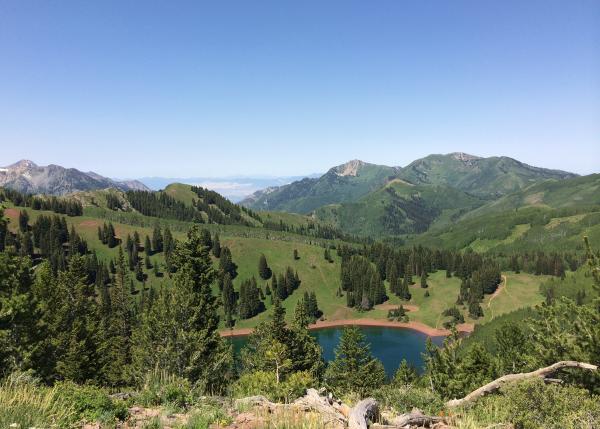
[(484, 177), (344, 183), (553, 214), (398, 208), (574, 192)]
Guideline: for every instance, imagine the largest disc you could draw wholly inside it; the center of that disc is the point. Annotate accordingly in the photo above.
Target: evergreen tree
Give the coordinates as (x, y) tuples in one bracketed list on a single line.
[(228, 295), (226, 264), (296, 257), (157, 239), (424, 279), (263, 268), (74, 328), (148, 246), (354, 369), (205, 238), (19, 314), (116, 346), (23, 221), (194, 349), (216, 248), (301, 316), (405, 375)]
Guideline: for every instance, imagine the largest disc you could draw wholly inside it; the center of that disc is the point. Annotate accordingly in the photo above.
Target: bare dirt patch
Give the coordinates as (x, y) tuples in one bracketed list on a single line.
[(90, 224), (388, 307)]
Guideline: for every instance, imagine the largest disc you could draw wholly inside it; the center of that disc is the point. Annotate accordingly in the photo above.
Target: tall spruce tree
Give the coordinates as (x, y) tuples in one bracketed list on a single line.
[(354, 369), (263, 268)]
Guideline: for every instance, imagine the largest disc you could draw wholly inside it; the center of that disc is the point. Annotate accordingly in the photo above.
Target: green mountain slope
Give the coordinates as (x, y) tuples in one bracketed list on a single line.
[(550, 215), (398, 208), (575, 192), (484, 177), (344, 183)]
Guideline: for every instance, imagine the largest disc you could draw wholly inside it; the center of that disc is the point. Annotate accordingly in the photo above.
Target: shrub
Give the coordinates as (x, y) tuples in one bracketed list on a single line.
[(533, 404), (206, 415), (161, 388), (255, 383), (265, 383), (91, 403), (404, 398)]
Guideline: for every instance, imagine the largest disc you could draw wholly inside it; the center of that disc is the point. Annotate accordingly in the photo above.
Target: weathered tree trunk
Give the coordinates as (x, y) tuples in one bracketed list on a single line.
[(416, 418), (499, 382), (365, 409), (328, 408)]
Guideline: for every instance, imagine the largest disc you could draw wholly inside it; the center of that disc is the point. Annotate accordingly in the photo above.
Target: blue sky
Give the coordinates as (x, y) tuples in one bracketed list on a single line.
[(177, 88)]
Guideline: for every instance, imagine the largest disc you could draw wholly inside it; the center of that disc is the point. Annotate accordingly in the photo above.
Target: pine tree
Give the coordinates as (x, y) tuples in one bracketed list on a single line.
[(228, 295), (354, 369), (157, 239), (216, 248), (116, 346), (74, 327), (405, 375), (19, 314), (194, 349), (301, 315), (205, 238), (424, 279), (23, 221), (226, 264), (263, 268), (148, 246), (296, 257)]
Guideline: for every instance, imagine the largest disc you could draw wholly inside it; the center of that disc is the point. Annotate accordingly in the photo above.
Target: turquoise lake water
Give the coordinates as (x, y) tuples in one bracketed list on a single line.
[(390, 345)]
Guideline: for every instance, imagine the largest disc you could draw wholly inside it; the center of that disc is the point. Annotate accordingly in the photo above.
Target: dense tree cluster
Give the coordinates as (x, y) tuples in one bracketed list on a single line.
[(162, 205), (284, 285), (218, 209), (362, 283), (60, 205), (84, 326)]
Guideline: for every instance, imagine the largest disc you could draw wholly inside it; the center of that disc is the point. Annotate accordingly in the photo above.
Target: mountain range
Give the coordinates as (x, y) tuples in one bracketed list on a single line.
[(364, 199), (487, 178), (27, 177)]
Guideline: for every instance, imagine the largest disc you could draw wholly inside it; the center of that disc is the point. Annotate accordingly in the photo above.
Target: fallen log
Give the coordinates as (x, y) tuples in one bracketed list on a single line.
[(331, 410), (367, 409), (499, 382), (416, 418)]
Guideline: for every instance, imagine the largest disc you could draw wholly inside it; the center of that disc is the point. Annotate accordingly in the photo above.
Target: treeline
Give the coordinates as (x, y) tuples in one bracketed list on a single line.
[(61, 205), (313, 229), (162, 205), (218, 208)]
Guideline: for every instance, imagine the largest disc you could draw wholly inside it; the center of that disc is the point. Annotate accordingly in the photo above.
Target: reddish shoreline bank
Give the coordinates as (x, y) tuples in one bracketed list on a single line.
[(417, 326)]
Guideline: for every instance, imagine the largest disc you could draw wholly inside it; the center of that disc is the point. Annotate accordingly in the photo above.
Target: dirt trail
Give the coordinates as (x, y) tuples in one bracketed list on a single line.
[(502, 286)]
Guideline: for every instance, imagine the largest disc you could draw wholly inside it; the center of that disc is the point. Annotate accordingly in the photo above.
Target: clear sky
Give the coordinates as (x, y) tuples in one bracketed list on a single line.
[(178, 88)]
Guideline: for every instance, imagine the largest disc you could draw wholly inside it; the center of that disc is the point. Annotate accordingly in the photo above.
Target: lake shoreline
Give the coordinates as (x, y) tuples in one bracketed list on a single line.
[(465, 328)]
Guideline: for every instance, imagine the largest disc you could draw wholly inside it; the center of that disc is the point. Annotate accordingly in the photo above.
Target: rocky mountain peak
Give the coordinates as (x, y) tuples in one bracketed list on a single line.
[(464, 157), (22, 165), (350, 168)]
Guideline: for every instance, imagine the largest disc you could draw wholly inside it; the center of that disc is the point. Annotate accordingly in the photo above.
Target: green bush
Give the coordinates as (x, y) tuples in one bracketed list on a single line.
[(532, 404), (404, 398), (265, 383), (160, 388), (204, 416), (91, 403)]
